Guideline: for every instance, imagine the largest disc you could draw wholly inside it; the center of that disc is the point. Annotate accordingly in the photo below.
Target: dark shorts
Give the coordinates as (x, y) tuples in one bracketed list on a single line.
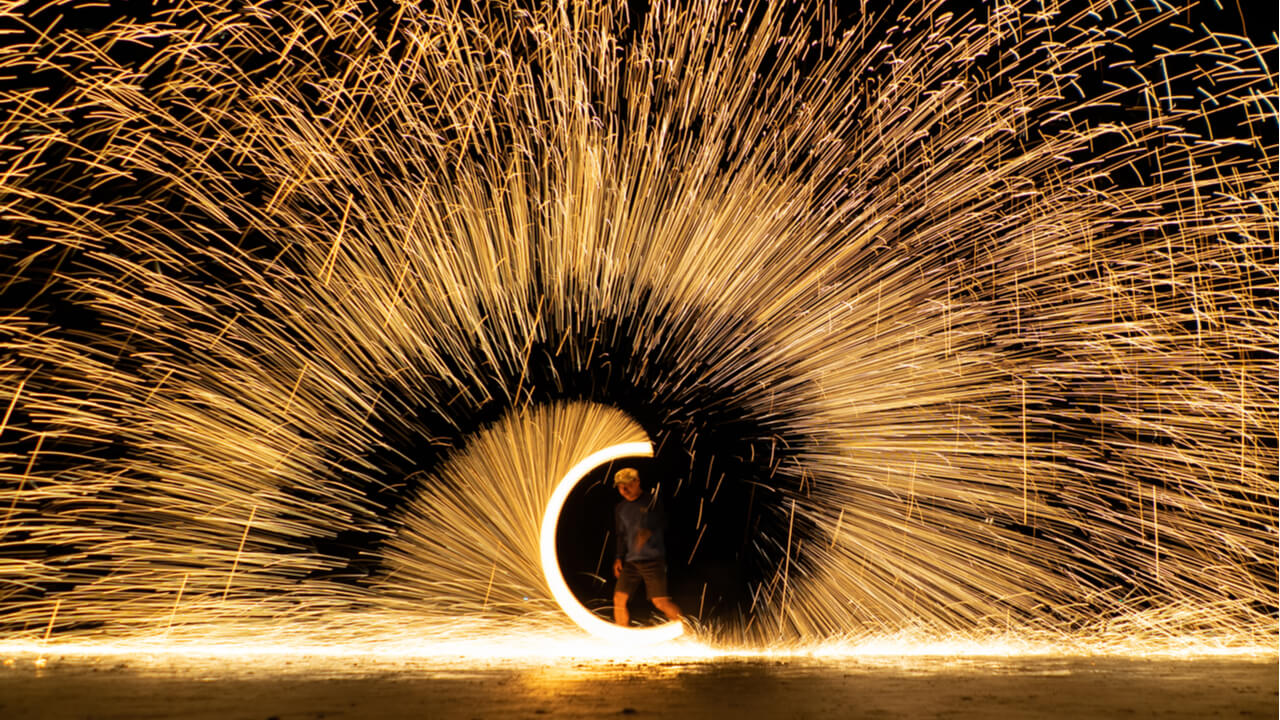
[(652, 572)]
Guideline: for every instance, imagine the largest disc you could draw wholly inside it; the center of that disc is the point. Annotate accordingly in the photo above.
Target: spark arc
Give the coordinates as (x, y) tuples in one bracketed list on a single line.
[(940, 317)]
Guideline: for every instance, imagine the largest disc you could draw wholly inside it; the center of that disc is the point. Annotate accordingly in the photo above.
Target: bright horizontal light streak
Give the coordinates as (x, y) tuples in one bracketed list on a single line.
[(270, 647), (551, 562)]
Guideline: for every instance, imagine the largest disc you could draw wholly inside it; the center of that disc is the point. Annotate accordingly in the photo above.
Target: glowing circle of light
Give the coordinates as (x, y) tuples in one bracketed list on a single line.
[(551, 562)]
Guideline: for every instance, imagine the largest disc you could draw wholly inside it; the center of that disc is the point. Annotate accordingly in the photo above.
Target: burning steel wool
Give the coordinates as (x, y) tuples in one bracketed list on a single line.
[(927, 319)]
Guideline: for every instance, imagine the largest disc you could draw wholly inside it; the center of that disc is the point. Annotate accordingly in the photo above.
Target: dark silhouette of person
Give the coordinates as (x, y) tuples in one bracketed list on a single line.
[(642, 554)]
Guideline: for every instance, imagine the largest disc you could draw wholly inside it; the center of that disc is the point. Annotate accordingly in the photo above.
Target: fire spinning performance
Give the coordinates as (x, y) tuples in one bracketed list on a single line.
[(936, 319)]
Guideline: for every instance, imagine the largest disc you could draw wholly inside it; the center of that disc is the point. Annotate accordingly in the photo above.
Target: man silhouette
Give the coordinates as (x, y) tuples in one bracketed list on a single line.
[(642, 555)]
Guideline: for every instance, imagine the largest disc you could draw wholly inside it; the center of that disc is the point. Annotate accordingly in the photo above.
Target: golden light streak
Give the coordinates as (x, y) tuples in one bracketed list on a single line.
[(236, 562), (176, 602), (8, 412), (44, 642)]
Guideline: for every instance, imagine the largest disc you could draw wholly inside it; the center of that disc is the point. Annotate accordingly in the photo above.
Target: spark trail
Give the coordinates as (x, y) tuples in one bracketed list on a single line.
[(978, 304)]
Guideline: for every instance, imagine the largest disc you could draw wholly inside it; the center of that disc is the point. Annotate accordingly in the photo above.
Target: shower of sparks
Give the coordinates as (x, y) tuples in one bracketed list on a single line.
[(998, 285)]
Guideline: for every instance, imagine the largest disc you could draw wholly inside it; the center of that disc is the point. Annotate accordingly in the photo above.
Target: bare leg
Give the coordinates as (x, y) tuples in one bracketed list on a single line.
[(666, 605), (620, 614)]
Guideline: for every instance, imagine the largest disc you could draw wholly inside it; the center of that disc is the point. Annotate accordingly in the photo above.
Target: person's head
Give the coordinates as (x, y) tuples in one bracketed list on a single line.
[(627, 480)]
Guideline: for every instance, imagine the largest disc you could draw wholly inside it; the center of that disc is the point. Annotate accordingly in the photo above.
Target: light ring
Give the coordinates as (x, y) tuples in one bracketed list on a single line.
[(551, 561)]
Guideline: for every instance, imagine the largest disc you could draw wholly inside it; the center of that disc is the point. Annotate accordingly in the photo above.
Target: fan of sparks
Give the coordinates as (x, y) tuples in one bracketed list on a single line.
[(998, 283)]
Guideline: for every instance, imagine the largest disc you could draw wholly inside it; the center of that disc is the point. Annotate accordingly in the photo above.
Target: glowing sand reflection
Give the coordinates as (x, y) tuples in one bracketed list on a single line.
[(488, 650)]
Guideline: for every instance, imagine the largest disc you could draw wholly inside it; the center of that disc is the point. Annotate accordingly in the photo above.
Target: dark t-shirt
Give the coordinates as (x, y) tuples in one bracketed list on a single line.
[(632, 516)]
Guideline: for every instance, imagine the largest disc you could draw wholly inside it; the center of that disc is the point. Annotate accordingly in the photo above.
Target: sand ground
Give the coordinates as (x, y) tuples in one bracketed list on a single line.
[(103, 688)]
